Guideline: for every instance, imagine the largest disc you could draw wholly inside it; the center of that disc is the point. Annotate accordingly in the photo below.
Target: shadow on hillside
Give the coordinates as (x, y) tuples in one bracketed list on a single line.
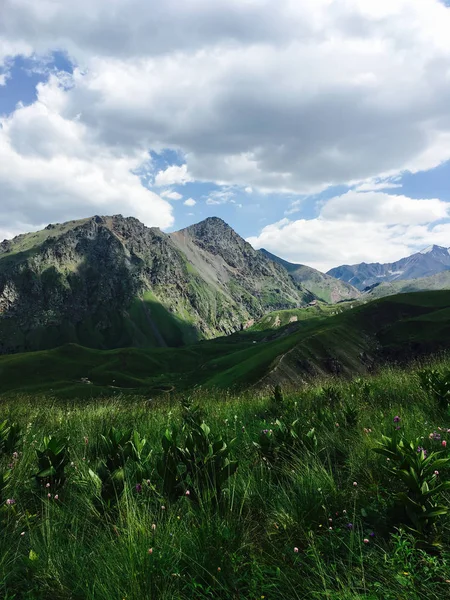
[(95, 302)]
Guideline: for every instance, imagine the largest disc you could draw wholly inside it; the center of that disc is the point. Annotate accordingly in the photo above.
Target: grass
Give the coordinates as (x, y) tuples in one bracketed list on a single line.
[(244, 547)]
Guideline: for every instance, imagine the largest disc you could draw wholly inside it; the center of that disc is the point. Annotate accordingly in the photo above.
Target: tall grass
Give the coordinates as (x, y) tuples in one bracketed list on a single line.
[(294, 527)]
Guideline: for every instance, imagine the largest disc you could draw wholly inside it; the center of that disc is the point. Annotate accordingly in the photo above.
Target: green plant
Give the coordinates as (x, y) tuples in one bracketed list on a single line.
[(9, 437), (199, 465), (419, 474), (331, 395), (52, 460), (120, 447), (351, 414), (437, 384)]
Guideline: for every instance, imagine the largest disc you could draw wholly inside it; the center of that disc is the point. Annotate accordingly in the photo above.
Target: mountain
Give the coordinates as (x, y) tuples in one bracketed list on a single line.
[(440, 281), (325, 287), (430, 261), (108, 282)]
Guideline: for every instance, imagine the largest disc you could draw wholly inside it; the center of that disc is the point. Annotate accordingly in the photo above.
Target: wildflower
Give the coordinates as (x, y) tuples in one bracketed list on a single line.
[(355, 484), (436, 473), (23, 533), (344, 512), (49, 495), (396, 419), (330, 529), (365, 540), (296, 550), (372, 534), (15, 455), (148, 482), (153, 526), (330, 520), (72, 464), (436, 437), (444, 443), (86, 440), (420, 449), (150, 550), (138, 488), (243, 429), (10, 502), (163, 508), (219, 569), (349, 525), (56, 497), (336, 424), (188, 493), (47, 485)]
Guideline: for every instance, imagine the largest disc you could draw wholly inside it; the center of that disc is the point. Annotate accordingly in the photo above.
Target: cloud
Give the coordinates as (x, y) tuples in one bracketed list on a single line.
[(172, 195), (173, 175), (357, 227), (218, 197), (292, 97), (53, 169), (190, 202)]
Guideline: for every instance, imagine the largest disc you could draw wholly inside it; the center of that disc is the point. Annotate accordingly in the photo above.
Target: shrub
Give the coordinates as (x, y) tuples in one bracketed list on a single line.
[(418, 472)]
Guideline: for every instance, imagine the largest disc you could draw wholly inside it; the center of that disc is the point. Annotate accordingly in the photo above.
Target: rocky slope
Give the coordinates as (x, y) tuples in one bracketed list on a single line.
[(430, 261), (108, 282), (326, 288)]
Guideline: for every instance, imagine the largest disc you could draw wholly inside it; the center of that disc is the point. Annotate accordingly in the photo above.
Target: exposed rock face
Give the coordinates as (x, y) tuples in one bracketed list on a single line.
[(107, 282)]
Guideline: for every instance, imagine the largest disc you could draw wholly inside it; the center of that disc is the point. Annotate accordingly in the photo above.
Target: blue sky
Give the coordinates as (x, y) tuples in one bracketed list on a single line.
[(322, 134)]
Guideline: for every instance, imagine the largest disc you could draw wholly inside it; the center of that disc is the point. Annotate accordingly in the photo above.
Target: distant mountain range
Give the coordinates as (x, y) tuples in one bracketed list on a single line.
[(424, 264), (110, 282)]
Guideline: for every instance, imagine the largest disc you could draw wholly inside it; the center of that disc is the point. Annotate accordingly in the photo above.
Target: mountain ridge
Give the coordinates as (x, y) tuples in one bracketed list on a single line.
[(326, 288), (428, 262), (110, 281)]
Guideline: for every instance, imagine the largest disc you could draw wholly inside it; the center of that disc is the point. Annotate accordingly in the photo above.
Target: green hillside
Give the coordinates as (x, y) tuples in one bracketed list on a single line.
[(439, 281), (318, 343)]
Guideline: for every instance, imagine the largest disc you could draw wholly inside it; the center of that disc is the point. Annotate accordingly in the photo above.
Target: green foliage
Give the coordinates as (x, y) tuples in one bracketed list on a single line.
[(279, 444), (198, 465), (437, 384), (118, 447), (10, 434), (299, 529), (331, 395), (52, 458), (419, 473)]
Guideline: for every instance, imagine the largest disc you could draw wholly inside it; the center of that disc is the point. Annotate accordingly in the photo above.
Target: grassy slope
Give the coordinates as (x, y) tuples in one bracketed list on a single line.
[(281, 532), (410, 321)]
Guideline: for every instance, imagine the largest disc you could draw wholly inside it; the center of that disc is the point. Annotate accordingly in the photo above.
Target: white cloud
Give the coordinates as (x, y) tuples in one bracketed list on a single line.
[(357, 227), (53, 169), (173, 175), (172, 195), (190, 202), (292, 96), (218, 197)]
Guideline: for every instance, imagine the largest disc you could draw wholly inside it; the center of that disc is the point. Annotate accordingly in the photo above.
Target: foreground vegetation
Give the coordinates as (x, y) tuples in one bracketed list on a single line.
[(223, 496)]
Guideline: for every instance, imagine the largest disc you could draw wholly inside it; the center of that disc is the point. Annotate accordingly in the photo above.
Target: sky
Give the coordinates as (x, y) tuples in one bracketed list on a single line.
[(318, 129)]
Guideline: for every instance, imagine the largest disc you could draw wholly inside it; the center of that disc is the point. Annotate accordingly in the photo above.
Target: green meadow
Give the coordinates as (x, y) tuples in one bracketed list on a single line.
[(215, 494)]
